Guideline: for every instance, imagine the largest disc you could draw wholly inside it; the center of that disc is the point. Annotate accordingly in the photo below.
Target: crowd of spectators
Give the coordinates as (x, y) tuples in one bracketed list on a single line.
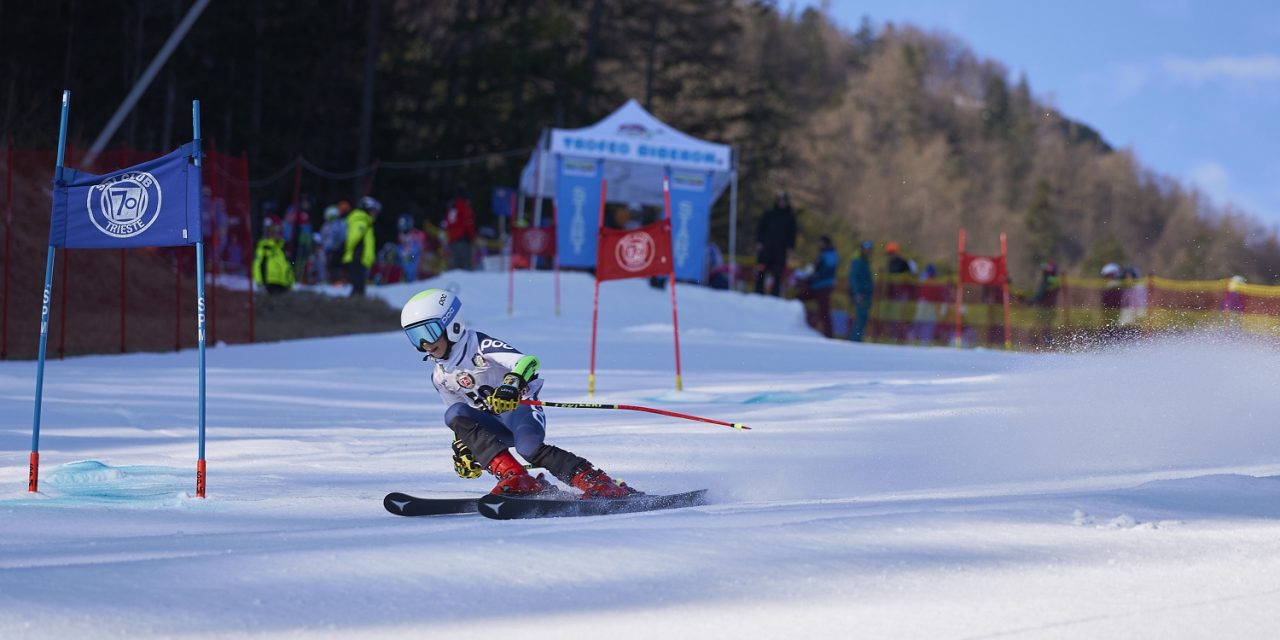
[(915, 305), (344, 249)]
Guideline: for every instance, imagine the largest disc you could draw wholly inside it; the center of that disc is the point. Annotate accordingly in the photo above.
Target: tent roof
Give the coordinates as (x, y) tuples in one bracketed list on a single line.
[(635, 147)]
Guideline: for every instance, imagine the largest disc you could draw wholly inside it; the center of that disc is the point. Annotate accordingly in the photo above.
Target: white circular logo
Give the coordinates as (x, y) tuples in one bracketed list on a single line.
[(982, 270), (536, 240), (124, 206), (635, 251)]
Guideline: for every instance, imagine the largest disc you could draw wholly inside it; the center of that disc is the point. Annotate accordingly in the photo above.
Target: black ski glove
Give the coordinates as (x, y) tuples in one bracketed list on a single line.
[(464, 463), (506, 397)]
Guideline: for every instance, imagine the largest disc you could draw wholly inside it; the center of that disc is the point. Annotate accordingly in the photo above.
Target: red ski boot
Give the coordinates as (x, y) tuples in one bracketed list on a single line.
[(597, 484), (512, 478)]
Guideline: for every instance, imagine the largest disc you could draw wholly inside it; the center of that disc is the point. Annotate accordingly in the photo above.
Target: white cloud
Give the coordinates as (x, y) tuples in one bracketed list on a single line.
[(1212, 177), (1215, 181), (1259, 67), (1129, 80), (1170, 8), (1117, 83)]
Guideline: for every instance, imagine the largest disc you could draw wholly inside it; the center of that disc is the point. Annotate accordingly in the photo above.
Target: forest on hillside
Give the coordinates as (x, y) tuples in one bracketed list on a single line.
[(884, 132)]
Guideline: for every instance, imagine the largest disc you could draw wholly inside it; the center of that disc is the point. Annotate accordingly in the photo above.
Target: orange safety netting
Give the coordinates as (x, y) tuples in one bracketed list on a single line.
[(1082, 311)]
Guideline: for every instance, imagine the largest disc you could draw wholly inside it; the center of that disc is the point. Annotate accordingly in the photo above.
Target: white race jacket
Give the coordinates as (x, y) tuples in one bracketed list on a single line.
[(474, 368)]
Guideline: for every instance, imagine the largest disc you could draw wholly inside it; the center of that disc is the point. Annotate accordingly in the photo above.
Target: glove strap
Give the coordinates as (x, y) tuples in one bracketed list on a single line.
[(526, 368)]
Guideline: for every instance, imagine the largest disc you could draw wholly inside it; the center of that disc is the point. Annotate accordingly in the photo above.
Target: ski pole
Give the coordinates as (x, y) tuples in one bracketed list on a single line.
[(630, 407)]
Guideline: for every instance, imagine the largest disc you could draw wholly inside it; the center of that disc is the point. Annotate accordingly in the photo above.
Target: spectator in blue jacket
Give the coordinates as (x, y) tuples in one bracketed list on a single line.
[(821, 281), (860, 290)]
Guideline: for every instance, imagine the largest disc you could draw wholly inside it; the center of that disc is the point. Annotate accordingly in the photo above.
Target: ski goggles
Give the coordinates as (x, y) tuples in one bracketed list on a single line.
[(426, 331)]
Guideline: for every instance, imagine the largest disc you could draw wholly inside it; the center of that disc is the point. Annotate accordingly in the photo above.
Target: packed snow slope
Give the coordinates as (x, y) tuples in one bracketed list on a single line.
[(882, 492)]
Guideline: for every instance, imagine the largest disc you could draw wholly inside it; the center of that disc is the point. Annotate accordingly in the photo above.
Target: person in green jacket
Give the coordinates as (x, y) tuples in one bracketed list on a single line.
[(359, 254), (271, 267)]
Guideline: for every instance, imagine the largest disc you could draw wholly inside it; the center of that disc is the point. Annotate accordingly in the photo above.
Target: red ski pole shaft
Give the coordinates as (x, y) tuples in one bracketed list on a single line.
[(630, 407)]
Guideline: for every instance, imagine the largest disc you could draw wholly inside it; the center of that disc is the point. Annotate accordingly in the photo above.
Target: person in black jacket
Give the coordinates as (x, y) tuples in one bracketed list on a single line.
[(775, 239)]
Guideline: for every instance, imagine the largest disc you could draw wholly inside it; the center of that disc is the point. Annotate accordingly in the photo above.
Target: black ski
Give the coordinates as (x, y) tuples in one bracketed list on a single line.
[(403, 504), (513, 508)]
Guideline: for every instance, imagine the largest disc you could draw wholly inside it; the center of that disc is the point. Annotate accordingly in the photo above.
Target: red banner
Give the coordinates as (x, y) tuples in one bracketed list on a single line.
[(985, 270), (534, 241), (634, 253)]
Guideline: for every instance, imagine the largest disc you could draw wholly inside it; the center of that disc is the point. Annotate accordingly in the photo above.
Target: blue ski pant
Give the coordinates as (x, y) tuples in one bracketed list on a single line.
[(524, 428)]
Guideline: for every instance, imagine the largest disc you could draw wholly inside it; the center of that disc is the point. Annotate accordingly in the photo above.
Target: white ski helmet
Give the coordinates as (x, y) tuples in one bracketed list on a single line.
[(431, 314)]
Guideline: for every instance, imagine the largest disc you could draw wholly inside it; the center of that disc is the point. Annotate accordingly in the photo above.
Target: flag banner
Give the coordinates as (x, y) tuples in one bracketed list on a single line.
[(634, 253), (502, 201), (153, 204), (985, 270), (534, 241), (577, 209), (690, 222)]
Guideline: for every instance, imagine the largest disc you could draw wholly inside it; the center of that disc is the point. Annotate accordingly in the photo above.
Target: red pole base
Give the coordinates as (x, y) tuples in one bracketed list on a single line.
[(200, 478), (33, 473)]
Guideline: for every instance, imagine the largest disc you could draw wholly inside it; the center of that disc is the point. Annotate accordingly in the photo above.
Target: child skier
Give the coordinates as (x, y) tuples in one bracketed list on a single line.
[(482, 380)]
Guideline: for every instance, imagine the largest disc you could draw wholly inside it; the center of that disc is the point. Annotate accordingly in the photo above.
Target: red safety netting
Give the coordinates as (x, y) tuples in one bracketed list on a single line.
[(121, 300)]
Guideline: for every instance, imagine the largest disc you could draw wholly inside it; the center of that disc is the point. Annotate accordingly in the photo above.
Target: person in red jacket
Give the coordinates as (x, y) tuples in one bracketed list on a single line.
[(460, 225)]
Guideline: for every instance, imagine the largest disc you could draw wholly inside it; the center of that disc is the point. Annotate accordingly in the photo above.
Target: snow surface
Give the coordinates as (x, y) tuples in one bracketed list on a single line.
[(883, 492)]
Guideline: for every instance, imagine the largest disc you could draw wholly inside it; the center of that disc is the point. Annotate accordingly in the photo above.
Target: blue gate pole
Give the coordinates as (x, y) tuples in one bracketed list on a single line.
[(33, 471), (200, 310)]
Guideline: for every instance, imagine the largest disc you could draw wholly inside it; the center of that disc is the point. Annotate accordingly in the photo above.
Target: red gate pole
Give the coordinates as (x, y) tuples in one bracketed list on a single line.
[(959, 290), (8, 234), (595, 298), (595, 318), (1004, 259), (675, 321)]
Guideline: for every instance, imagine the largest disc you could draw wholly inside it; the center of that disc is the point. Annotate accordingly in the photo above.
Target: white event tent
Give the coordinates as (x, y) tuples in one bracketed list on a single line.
[(635, 148)]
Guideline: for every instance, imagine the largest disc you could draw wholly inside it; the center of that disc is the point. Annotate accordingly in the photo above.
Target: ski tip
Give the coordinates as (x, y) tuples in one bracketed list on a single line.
[(403, 504), (396, 501), (740, 427)]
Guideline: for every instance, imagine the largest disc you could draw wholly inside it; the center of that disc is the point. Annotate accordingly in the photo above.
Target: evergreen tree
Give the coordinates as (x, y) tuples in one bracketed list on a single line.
[(884, 129), (1105, 250), (1042, 231)]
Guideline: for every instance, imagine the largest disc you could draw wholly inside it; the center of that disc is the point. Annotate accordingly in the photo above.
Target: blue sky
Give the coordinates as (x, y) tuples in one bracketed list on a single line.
[(1191, 86)]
